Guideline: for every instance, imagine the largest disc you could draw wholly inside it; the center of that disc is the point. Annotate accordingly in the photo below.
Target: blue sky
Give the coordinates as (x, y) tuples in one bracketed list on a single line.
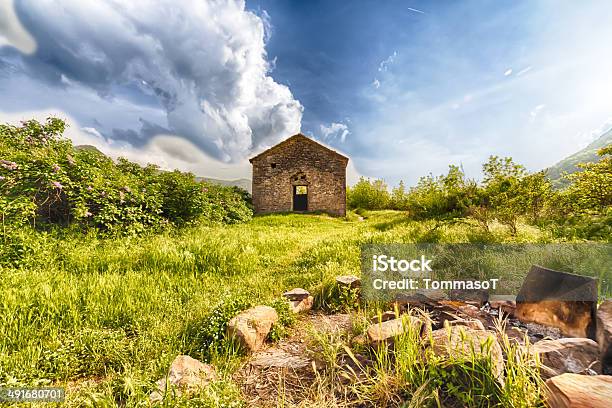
[(403, 87)]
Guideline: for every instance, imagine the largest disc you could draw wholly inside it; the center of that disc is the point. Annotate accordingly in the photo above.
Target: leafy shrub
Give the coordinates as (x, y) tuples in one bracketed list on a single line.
[(334, 298), (206, 336), (16, 249), (446, 196), (90, 353), (591, 189), (286, 318), (45, 180), (368, 194)]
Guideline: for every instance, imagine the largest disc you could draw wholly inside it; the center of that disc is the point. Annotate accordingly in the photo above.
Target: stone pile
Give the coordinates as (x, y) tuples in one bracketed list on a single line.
[(574, 347)]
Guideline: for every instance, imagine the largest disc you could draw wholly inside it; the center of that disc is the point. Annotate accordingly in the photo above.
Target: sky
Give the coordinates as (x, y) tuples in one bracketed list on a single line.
[(402, 87)]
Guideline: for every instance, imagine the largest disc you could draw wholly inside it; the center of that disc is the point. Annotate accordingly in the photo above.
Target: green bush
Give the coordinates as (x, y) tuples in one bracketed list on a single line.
[(206, 337), (446, 196), (591, 189), (286, 318), (45, 181), (368, 194), (334, 298)]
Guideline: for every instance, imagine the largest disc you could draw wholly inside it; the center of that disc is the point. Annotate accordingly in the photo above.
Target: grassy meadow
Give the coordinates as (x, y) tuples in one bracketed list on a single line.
[(104, 317)]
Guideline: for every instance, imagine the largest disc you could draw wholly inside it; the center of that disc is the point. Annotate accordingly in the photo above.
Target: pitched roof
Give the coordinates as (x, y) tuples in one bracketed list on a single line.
[(294, 137)]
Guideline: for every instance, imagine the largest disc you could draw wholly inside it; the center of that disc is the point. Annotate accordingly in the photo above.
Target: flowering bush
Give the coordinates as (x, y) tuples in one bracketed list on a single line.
[(45, 180)]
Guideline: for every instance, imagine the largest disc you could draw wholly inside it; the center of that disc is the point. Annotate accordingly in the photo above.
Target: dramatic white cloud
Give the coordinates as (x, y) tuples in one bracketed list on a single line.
[(12, 32), (337, 131), (199, 66), (169, 152)]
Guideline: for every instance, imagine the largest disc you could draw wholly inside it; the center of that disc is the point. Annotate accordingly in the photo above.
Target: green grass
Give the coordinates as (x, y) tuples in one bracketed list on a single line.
[(105, 317), (411, 374)]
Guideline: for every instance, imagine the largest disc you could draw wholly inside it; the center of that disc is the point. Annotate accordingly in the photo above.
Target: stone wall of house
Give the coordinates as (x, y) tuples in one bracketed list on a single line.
[(299, 161)]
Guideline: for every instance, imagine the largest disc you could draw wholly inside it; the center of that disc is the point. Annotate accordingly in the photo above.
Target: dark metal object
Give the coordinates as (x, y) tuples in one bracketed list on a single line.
[(547, 284)]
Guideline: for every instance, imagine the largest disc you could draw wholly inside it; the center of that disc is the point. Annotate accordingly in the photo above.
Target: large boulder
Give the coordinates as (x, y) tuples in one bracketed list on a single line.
[(560, 300), (387, 331), (461, 342), (604, 336), (567, 355), (251, 327), (579, 391), (186, 375)]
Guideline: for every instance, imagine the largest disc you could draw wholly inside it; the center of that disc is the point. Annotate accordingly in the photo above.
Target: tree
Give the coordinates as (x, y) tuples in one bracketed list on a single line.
[(503, 188), (369, 195), (535, 191), (399, 197), (445, 196), (591, 188)]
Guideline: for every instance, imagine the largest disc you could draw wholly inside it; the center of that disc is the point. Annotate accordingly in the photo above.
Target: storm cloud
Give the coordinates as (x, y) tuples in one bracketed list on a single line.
[(202, 63)]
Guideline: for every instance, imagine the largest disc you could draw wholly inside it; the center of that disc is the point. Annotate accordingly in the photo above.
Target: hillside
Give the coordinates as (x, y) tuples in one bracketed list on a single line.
[(588, 154)]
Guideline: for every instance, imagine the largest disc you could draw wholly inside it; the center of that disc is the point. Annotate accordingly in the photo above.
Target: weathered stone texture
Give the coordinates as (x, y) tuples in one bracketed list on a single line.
[(299, 161)]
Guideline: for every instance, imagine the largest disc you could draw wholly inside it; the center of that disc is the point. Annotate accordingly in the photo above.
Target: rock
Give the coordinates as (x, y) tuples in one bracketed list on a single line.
[(278, 358), (516, 334), (459, 341), (186, 375), (303, 305), (604, 336), (579, 391), (462, 307), (538, 332), (477, 297), (571, 318), (473, 324), (349, 281), (296, 294), (385, 316), (558, 299), (507, 307), (420, 298), (386, 331), (252, 326), (568, 355)]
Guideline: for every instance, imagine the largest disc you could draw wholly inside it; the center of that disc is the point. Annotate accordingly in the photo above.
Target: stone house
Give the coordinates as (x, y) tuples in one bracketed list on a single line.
[(300, 175)]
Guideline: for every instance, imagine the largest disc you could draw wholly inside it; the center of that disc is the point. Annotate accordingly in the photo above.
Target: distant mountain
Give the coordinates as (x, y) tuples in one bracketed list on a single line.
[(88, 148), (243, 183), (586, 155)]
